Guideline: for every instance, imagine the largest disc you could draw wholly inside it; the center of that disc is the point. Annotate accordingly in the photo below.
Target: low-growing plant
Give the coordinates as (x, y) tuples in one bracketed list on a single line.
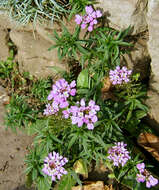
[(7, 67), (73, 130), (93, 117), (102, 49), (28, 95), (19, 113), (40, 89), (108, 46), (34, 10), (68, 45)]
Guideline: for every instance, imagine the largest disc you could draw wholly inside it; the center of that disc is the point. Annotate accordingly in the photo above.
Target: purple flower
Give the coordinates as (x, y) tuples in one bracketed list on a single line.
[(151, 181), (98, 13), (141, 167), (66, 113), (89, 19), (90, 126), (90, 28), (51, 109), (140, 178), (82, 114), (83, 25), (59, 94), (119, 76), (73, 84), (89, 9), (53, 166), (144, 175), (78, 19), (118, 154)]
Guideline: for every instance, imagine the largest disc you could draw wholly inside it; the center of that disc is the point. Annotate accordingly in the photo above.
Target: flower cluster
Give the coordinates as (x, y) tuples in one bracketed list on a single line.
[(118, 154), (89, 19), (53, 166), (59, 94), (119, 76), (144, 175), (82, 114)]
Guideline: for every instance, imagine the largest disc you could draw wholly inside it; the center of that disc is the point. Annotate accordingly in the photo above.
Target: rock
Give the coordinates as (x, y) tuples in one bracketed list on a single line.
[(7, 23), (153, 104), (99, 185), (149, 142), (153, 43), (3, 95), (123, 13), (153, 48), (4, 50), (139, 59), (33, 55)]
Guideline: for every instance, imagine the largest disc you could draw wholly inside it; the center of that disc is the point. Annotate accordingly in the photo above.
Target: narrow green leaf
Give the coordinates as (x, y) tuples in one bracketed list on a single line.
[(72, 141)]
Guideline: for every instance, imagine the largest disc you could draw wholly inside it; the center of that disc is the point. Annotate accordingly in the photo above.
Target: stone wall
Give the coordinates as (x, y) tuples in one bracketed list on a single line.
[(153, 47), (32, 44), (122, 13), (142, 15)]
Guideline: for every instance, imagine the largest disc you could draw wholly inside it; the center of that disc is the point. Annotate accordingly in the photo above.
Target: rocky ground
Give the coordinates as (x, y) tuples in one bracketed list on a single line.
[(13, 148)]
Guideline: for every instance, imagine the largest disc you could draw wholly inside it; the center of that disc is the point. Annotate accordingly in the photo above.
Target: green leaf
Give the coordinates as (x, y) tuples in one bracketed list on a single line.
[(66, 182), (34, 174), (52, 47), (82, 80), (72, 141), (140, 114), (140, 105), (75, 176), (111, 176), (81, 49), (55, 139), (43, 183)]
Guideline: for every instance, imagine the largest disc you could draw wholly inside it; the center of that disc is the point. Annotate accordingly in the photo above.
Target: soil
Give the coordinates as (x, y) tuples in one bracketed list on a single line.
[(13, 148)]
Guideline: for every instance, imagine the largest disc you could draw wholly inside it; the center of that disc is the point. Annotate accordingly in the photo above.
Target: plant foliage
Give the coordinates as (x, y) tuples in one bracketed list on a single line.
[(25, 11), (117, 111)]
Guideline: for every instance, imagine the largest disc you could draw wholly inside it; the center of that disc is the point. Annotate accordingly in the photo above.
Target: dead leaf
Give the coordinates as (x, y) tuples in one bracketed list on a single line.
[(108, 187), (106, 90), (106, 84), (98, 185), (108, 95), (150, 142), (81, 168)]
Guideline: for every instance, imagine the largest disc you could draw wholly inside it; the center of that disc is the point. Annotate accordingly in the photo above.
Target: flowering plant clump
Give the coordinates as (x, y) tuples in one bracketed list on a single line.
[(59, 94), (118, 154), (87, 115), (119, 76), (89, 19), (53, 166), (144, 175), (83, 114)]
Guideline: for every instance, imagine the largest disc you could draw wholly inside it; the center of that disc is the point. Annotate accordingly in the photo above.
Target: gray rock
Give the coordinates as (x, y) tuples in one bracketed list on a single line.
[(139, 59), (153, 48), (4, 50), (153, 43), (153, 103), (123, 13), (33, 55)]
